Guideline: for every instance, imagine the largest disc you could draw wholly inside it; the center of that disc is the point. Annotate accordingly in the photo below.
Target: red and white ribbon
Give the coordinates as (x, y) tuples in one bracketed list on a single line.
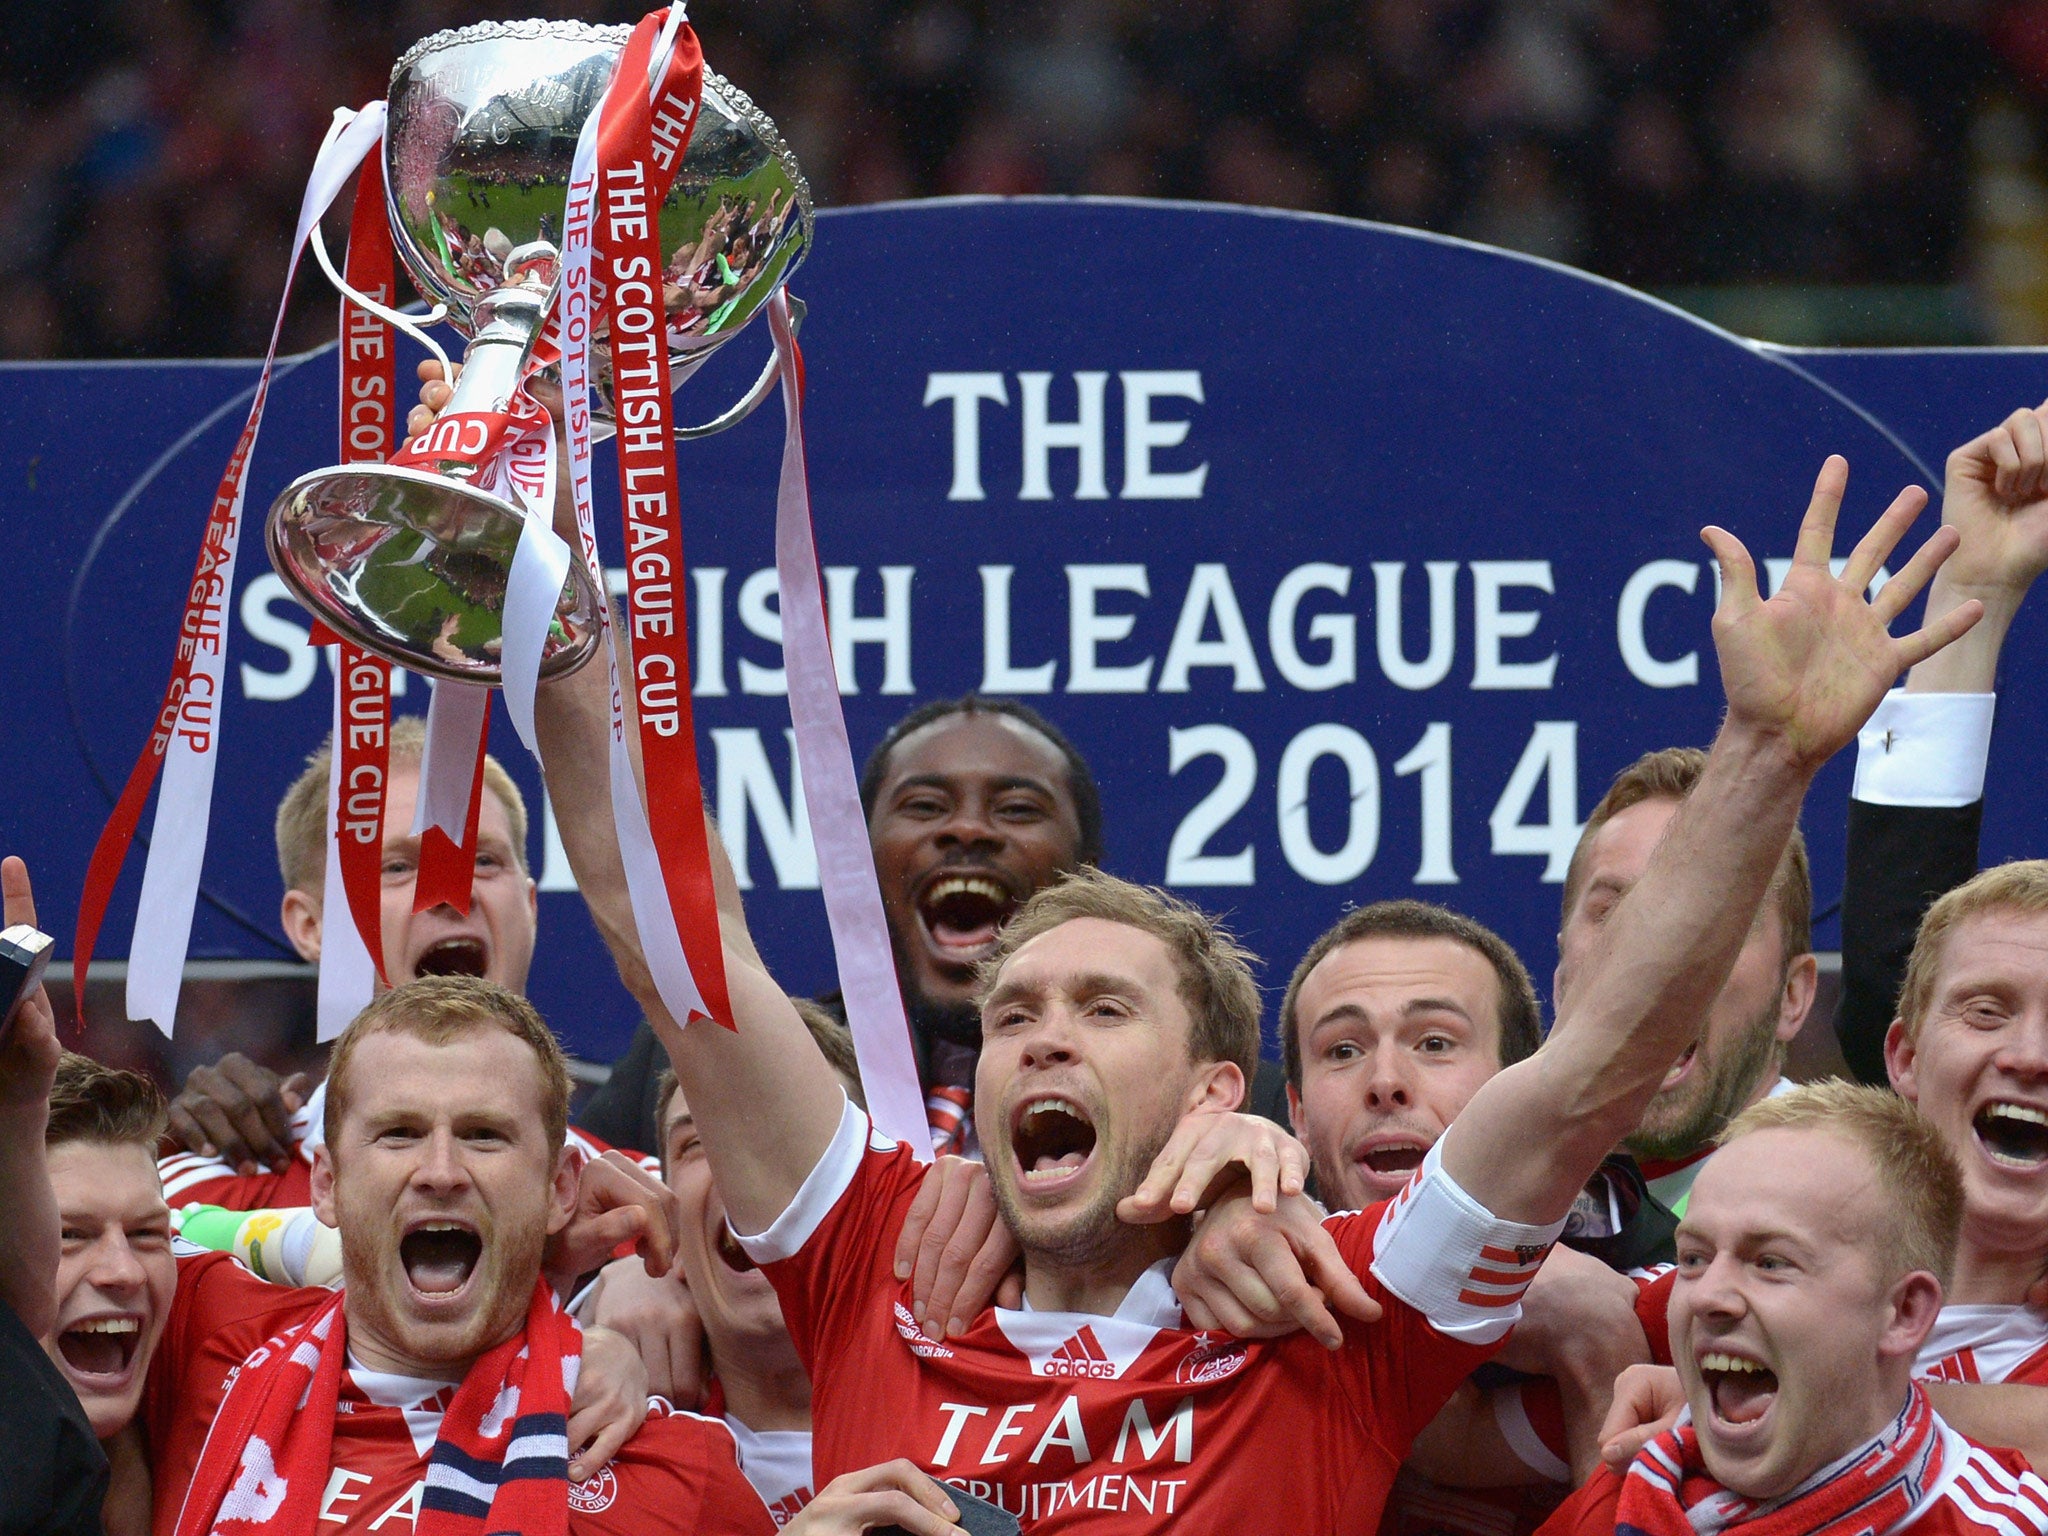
[(839, 830), (351, 914), (184, 742), (450, 794), (612, 267)]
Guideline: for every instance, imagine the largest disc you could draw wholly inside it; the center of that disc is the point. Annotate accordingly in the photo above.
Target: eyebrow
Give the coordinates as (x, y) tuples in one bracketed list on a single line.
[(1420, 1005), (944, 781)]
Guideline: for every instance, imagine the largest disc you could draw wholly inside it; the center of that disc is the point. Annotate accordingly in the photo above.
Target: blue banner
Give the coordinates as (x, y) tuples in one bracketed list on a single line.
[(1356, 560)]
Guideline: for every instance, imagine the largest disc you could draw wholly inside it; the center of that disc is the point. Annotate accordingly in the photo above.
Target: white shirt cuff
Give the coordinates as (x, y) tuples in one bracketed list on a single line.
[(831, 1178), (1925, 749)]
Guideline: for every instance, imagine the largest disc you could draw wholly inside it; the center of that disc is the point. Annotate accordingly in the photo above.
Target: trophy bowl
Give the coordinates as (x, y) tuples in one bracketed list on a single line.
[(480, 140)]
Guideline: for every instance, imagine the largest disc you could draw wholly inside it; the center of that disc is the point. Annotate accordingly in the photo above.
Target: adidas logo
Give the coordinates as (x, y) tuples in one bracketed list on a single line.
[(1082, 1355)]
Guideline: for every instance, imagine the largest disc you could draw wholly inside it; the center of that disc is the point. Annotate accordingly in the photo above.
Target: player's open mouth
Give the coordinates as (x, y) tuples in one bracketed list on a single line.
[(2012, 1135), (1680, 1068), (440, 1256), (100, 1351), (960, 915), (463, 956), (729, 1251), (1741, 1390), (1053, 1140), (1393, 1159)]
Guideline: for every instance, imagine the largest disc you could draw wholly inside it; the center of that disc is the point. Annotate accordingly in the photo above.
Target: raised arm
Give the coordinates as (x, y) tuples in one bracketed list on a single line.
[(1918, 806), (1801, 672), (762, 1095)]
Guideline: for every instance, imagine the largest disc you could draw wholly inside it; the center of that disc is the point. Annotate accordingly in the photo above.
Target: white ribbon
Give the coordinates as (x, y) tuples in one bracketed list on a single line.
[(348, 977), (455, 727), (839, 829), (177, 849), (540, 564)]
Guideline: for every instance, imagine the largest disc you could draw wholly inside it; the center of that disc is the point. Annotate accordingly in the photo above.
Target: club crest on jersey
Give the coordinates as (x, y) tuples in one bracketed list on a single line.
[(921, 1343), (594, 1495), (1211, 1358)]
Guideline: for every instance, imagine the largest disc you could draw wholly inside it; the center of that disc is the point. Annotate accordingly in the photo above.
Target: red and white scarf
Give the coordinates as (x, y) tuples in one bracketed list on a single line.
[(499, 1464), (1668, 1491)]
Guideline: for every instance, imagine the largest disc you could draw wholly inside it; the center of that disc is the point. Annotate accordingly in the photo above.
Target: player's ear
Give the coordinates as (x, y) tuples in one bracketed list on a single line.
[(1915, 1303), (1218, 1085), (300, 916), (563, 1189), (323, 1185), (1901, 1055)]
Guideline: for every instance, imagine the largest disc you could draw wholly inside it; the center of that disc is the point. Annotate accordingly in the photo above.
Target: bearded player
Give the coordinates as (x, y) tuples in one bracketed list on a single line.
[(1111, 1012), (433, 1389)]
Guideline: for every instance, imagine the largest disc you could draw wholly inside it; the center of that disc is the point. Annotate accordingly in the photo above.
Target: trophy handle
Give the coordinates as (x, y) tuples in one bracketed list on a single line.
[(748, 403)]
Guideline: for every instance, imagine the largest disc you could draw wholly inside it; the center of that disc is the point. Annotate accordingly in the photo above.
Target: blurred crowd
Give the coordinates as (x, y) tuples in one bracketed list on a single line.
[(157, 148)]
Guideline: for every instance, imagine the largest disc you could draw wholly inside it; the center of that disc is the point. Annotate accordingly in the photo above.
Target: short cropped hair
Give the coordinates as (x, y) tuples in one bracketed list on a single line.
[(105, 1105), (1080, 777), (835, 1044), (1672, 774), (302, 814), (1918, 1177), (2021, 886), (438, 1010), (1519, 1019), (1215, 971)]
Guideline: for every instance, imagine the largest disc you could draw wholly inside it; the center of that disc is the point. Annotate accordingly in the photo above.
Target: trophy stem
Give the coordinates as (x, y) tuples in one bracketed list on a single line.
[(509, 320)]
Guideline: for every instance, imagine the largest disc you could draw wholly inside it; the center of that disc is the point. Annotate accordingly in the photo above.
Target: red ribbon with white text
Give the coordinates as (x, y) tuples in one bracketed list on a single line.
[(184, 740), (362, 742), (640, 147)]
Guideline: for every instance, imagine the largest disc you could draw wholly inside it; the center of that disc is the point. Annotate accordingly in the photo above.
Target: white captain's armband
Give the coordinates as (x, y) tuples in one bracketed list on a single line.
[(1454, 1261)]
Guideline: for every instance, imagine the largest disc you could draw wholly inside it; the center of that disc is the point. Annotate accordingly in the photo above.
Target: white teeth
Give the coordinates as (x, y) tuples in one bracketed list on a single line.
[(1714, 1360), (440, 1226), (2019, 1112), (108, 1325), (961, 885), (1055, 1106)]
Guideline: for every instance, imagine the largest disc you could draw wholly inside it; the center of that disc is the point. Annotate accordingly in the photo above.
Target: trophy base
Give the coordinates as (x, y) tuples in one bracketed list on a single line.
[(413, 566)]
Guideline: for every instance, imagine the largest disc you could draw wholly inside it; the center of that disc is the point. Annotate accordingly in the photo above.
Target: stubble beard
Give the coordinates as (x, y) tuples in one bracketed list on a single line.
[(1092, 1236), (1697, 1112), (374, 1278)]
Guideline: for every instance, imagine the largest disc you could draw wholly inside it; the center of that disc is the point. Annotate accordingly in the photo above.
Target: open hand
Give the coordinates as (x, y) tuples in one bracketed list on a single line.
[(1804, 670), (657, 1315), (955, 1250), (1210, 1153), (610, 1403)]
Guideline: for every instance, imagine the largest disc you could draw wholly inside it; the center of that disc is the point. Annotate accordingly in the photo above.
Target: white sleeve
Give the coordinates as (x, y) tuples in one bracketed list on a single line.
[(821, 1190), (1925, 749), (1453, 1260)]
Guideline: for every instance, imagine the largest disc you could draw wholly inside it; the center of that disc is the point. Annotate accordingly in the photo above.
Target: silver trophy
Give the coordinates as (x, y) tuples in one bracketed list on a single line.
[(480, 138)]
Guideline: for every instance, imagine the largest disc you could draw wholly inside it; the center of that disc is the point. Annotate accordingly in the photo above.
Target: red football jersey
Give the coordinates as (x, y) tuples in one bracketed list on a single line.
[(1134, 1422), (678, 1474), (190, 1179), (1978, 1492), (1986, 1343)]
